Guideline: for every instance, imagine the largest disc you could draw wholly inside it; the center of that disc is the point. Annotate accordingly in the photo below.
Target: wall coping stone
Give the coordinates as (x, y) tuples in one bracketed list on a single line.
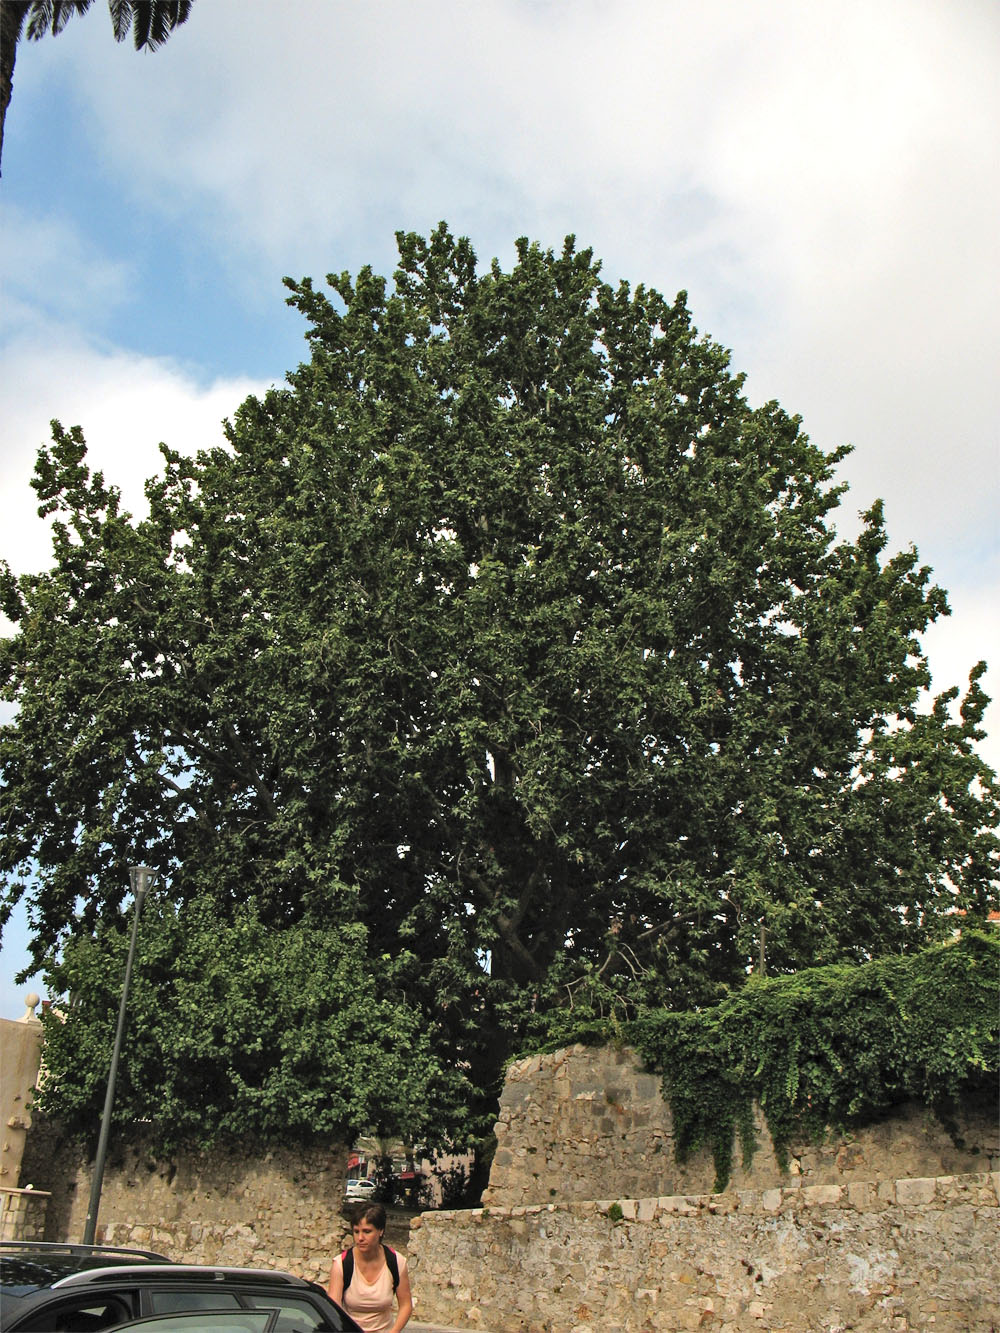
[(857, 1196)]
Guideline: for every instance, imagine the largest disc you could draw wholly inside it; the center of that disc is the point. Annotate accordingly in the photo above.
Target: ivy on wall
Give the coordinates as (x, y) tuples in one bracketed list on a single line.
[(829, 1047)]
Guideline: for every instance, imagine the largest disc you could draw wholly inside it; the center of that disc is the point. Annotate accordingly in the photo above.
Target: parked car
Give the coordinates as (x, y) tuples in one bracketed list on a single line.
[(360, 1190), (79, 1289)]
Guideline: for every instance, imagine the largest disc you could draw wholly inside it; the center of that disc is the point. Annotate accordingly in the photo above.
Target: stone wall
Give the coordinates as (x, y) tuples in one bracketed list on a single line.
[(916, 1255), (590, 1225), (590, 1123), (279, 1210), (22, 1214)]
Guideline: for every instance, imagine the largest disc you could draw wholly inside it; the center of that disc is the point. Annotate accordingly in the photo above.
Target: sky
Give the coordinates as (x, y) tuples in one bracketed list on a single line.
[(821, 178)]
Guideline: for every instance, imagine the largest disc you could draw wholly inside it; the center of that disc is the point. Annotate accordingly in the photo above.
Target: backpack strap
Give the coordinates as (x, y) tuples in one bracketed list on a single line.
[(391, 1262)]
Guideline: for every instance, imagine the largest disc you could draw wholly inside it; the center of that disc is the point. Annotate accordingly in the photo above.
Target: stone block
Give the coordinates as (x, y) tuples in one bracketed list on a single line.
[(679, 1204), (722, 1203), (918, 1191), (822, 1196), (861, 1194)]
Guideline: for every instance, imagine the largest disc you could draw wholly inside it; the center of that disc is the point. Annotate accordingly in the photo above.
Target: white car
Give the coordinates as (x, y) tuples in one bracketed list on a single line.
[(360, 1190)]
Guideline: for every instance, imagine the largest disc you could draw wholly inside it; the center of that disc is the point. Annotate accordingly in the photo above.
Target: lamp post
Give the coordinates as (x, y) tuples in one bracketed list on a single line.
[(141, 879)]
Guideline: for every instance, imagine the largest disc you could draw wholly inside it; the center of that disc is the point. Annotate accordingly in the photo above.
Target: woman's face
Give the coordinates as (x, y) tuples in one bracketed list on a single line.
[(366, 1237)]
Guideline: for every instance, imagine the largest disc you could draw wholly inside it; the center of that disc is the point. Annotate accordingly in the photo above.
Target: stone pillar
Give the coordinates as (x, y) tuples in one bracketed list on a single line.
[(20, 1055)]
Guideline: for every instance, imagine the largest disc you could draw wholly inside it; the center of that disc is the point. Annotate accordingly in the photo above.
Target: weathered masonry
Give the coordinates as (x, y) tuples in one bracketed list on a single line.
[(590, 1123), (278, 1209), (589, 1223), (902, 1255)]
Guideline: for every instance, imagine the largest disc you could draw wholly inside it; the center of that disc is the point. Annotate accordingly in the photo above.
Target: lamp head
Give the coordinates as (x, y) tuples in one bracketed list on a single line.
[(141, 879)]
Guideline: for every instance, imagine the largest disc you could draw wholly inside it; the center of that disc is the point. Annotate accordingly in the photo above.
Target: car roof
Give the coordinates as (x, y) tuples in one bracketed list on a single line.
[(70, 1247), (186, 1273)]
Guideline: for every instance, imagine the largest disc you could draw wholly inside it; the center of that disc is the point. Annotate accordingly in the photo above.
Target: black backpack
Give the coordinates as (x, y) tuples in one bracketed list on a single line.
[(392, 1263)]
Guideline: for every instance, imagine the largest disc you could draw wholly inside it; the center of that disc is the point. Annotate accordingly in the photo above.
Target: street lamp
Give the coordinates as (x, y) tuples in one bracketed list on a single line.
[(141, 879)]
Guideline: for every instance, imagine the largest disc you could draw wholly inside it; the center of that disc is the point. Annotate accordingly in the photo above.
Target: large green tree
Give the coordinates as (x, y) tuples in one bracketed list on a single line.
[(149, 21), (511, 632)]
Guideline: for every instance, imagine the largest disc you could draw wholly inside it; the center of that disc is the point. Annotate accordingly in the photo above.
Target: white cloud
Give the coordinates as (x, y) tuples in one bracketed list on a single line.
[(305, 119), (51, 271), (822, 180), (126, 405)]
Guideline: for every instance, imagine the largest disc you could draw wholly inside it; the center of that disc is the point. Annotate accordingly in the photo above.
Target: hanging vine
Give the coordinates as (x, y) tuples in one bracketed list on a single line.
[(826, 1048)]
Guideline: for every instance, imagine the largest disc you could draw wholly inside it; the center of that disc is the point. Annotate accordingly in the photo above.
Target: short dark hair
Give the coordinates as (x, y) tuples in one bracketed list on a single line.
[(369, 1212)]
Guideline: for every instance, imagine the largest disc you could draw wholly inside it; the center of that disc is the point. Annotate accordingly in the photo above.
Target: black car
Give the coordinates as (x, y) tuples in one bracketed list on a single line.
[(80, 1289)]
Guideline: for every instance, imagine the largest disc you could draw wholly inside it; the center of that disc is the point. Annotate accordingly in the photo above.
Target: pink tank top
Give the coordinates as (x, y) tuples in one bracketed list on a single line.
[(370, 1303)]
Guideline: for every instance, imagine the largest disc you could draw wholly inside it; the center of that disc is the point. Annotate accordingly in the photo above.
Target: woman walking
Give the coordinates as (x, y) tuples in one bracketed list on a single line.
[(370, 1277)]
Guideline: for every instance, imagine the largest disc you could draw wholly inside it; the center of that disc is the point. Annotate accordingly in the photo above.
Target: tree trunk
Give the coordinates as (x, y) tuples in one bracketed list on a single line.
[(12, 16)]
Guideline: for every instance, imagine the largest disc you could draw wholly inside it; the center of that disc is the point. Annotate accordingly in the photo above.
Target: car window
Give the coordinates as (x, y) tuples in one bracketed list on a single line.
[(167, 1300), (296, 1314), (83, 1314), (203, 1321)]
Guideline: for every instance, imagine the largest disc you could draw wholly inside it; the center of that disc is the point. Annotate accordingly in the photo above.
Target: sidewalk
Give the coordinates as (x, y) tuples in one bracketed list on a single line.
[(417, 1327)]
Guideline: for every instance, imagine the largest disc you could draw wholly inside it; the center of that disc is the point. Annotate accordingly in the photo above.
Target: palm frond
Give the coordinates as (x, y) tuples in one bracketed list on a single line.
[(150, 21), (121, 18), (154, 20), (64, 10), (47, 16), (39, 18)]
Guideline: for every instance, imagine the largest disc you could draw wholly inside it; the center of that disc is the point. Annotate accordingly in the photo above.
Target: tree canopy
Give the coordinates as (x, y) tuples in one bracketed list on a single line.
[(509, 631)]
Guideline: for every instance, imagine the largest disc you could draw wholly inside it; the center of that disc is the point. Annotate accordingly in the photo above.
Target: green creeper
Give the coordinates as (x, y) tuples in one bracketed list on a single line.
[(834, 1046), (509, 632)]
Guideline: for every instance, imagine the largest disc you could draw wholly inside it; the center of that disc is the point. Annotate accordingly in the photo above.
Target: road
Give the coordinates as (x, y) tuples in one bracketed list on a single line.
[(414, 1327)]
